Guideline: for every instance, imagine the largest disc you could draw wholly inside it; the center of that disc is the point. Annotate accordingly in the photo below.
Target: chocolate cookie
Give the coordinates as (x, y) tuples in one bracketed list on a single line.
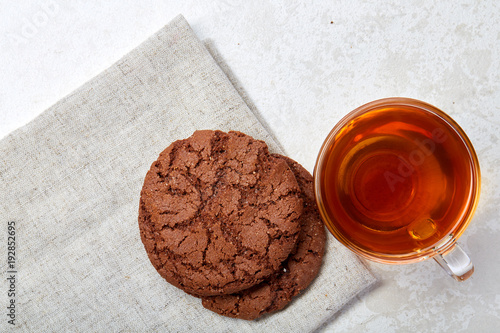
[(296, 273), (218, 213)]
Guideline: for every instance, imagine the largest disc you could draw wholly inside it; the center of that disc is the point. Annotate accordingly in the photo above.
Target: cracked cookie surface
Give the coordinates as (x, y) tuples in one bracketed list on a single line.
[(296, 273), (218, 213)]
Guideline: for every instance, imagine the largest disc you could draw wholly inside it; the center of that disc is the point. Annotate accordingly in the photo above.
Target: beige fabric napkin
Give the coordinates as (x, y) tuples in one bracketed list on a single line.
[(71, 180)]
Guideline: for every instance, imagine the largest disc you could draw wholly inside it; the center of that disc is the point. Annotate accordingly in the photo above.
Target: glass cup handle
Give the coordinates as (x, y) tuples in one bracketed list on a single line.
[(456, 263)]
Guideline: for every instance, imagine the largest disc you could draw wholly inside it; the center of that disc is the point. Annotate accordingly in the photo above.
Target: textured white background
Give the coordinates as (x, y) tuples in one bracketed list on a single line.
[(304, 66)]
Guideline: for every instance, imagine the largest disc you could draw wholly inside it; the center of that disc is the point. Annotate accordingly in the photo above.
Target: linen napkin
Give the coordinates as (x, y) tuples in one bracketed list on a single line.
[(71, 181)]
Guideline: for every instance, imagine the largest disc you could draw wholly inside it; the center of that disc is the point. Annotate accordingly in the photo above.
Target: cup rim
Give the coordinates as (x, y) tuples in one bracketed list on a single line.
[(446, 243)]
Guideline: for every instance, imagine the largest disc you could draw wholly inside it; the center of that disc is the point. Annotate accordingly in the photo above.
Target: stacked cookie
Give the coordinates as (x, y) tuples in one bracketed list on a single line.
[(223, 219)]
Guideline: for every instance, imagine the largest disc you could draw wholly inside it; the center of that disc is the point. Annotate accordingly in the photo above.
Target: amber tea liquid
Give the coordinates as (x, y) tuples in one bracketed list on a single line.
[(396, 180)]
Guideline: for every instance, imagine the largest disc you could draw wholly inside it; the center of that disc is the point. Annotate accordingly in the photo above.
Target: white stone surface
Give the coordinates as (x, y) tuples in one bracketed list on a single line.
[(305, 65)]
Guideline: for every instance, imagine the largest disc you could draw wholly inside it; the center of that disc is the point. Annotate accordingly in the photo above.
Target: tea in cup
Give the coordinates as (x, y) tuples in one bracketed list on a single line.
[(397, 181)]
